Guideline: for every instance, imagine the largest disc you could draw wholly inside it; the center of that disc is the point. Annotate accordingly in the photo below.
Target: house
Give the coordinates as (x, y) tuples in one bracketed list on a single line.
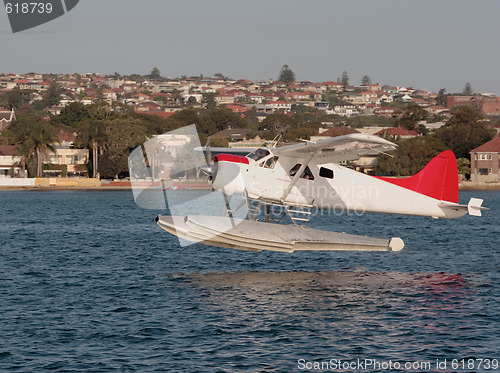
[(234, 134), (487, 104), (66, 157), (437, 110), (387, 111), (10, 158), (346, 110), (237, 108), (485, 162), (280, 105), (331, 86), (147, 106), (6, 118)]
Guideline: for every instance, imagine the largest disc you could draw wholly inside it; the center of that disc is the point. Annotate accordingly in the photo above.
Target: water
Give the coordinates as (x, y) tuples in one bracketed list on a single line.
[(89, 283)]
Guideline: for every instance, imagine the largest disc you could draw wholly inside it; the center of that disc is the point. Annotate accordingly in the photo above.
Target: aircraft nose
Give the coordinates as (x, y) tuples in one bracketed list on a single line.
[(226, 174)]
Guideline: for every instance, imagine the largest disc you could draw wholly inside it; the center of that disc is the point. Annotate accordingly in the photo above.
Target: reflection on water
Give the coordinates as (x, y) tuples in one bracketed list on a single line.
[(352, 314)]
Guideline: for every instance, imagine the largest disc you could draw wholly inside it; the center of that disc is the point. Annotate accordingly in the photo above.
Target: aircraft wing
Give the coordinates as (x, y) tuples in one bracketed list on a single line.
[(215, 150), (338, 149)]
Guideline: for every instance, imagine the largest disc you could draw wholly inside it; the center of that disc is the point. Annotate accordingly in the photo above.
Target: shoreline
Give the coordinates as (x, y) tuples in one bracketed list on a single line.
[(466, 186)]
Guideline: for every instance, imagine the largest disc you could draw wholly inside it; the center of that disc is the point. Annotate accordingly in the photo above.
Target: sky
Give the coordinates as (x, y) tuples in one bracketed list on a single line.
[(425, 44)]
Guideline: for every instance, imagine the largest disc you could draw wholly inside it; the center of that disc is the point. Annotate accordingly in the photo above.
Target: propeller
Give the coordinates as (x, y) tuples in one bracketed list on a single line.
[(207, 169)]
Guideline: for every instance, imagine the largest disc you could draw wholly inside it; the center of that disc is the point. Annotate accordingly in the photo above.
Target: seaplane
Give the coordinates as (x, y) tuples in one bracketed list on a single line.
[(280, 187)]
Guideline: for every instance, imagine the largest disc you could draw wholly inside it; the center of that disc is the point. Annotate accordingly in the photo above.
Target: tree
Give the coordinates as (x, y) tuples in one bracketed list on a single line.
[(91, 134), (220, 76), (411, 156), (208, 100), (365, 80), (35, 138), (442, 97), (465, 131), (221, 118), (122, 135), (345, 79), (468, 89), (72, 115), (463, 165), (278, 123), (155, 74), (52, 95), (191, 101), (286, 76), (16, 98), (411, 116)]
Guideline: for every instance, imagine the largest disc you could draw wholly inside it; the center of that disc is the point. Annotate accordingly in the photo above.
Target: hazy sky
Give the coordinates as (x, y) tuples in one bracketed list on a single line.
[(428, 44)]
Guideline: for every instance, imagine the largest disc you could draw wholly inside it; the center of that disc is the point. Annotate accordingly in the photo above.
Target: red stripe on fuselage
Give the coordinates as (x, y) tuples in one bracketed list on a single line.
[(230, 158)]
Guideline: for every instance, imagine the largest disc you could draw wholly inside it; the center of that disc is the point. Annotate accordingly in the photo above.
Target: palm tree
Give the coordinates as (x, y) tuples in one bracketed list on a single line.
[(92, 134), (35, 138)]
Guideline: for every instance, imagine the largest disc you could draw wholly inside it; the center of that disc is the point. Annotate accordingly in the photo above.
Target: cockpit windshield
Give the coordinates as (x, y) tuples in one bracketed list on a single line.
[(258, 154)]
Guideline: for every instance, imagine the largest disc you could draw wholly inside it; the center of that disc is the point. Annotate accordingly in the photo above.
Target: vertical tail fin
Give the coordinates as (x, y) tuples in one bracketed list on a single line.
[(439, 179)]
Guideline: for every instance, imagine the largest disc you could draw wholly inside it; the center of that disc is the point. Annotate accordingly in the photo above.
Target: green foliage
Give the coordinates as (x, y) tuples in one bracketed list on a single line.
[(122, 136), (16, 98), (345, 79), (286, 76), (365, 80), (301, 133), (72, 115), (219, 141), (161, 98), (441, 98), (278, 123), (155, 74), (220, 76), (369, 121), (251, 115), (208, 100), (35, 138), (411, 156), (411, 116), (222, 118), (465, 131), (463, 165), (52, 95), (467, 89), (334, 99)]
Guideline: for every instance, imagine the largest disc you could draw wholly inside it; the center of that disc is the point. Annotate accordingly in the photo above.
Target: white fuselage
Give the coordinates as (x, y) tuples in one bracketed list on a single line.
[(324, 186)]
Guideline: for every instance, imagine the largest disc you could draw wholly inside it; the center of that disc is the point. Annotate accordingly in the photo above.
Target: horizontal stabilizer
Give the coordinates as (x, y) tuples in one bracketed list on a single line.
[(474, 207)]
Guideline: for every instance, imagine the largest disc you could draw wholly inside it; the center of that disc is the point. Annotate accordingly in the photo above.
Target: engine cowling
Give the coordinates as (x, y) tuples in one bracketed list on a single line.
[(226, 173)]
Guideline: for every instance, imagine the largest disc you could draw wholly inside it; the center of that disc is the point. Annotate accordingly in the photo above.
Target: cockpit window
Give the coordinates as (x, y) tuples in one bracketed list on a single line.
[(258, 154), (307, 174)]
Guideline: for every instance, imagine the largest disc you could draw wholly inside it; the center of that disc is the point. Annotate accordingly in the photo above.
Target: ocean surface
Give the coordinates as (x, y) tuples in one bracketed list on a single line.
[(89, 283)]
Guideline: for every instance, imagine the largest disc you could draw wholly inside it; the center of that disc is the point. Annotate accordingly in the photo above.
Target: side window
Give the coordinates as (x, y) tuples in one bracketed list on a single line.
[(294, 169), (307, 174), (326, 172), (271, 162)]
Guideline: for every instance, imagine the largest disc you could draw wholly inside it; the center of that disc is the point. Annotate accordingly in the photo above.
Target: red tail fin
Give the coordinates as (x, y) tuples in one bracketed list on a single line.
[(439, 179)]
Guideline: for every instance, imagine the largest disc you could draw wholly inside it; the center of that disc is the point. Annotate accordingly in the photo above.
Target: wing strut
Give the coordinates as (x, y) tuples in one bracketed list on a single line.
[(297, 176)]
